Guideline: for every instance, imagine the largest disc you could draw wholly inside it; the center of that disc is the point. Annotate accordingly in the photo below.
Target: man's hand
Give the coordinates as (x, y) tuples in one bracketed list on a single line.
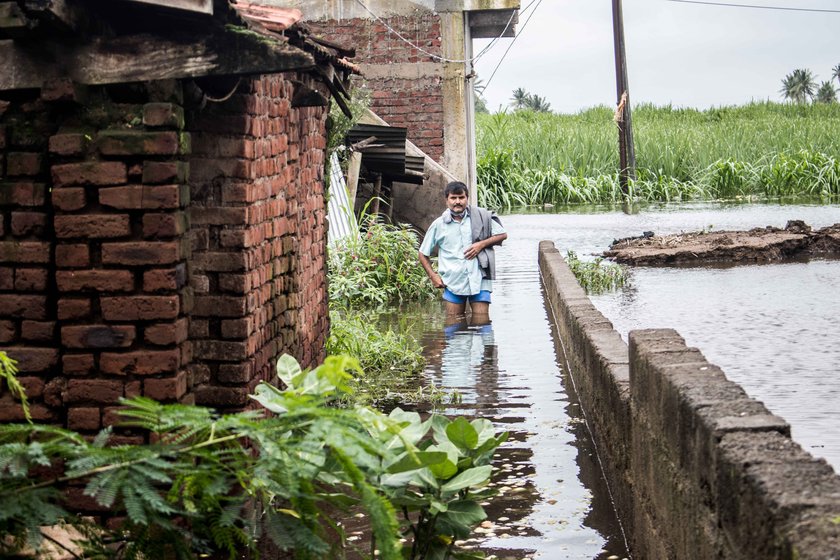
[(437, 281), (473, 250)]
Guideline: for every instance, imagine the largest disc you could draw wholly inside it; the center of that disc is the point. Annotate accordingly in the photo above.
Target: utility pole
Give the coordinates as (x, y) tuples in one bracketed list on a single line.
[(626, 151)]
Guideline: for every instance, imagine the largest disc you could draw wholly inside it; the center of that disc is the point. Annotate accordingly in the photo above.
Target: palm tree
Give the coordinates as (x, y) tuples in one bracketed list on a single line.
[(520, 98), (538, 104), (799, 85), (826, 93), (835, 73)]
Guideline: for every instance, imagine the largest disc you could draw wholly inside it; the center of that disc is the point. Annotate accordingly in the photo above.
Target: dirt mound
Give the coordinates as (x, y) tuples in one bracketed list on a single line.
[(756, 245)]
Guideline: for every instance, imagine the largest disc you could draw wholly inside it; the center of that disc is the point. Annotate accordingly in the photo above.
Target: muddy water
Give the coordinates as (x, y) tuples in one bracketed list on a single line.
[(552, 502), (773, 328)]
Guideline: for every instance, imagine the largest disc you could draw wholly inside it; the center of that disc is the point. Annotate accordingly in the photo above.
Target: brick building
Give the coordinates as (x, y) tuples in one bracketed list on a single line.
[(162, 209)]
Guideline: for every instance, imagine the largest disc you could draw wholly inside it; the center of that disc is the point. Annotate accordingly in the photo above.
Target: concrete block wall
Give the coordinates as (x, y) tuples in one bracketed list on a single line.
[(406, 84), (698, 468), (258, 238)]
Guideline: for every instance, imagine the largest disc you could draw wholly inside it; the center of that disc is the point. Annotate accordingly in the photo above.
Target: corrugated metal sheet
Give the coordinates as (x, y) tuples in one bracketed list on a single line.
[(340, 216)]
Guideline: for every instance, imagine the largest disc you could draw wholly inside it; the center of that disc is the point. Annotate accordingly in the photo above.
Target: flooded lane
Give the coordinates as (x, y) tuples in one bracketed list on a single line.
[(552, 502)]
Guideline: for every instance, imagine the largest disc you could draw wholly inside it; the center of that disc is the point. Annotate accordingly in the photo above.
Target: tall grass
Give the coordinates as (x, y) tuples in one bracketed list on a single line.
[(760, 149)]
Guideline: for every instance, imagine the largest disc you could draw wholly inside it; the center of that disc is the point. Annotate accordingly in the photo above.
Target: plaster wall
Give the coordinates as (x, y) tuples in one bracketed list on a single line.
[(696, 467)]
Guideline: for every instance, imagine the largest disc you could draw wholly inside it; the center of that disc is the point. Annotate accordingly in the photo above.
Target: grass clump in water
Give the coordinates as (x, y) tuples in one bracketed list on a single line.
[(597, 277)]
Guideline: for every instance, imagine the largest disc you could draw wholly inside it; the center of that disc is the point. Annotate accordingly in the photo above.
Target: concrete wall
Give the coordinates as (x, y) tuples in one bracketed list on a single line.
[(152, 247), (697, 468)]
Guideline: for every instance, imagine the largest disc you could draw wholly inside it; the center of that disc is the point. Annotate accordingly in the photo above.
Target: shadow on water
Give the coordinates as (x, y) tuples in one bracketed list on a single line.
[(552, 502)]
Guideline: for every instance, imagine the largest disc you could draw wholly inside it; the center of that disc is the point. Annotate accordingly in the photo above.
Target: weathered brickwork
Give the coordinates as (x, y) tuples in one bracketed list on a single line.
[(152, 247), (407, 97), (258, 239)]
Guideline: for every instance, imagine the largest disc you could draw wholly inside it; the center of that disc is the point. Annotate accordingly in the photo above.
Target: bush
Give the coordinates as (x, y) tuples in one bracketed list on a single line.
[(596, 277)]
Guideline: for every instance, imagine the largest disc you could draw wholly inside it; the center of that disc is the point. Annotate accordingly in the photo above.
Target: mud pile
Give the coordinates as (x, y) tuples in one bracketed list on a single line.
[(795, 241)]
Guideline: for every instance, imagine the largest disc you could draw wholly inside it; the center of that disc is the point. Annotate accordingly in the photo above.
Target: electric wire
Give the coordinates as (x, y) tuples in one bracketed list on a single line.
[(729, 5), (521, 31), (433, 55)]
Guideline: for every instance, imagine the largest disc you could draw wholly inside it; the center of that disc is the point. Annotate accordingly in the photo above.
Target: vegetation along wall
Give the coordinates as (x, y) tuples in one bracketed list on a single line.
[(696, 467), (155, 242)]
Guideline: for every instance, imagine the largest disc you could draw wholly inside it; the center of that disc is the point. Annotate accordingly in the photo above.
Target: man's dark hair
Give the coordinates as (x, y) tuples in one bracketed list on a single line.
[(455, 187)]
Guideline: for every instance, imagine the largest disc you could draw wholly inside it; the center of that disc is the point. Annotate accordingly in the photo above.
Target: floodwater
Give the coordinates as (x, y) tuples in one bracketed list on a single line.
[(772, 328)]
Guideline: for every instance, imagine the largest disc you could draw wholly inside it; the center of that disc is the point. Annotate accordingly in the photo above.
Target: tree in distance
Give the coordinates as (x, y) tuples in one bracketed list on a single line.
[(799, 86), (835, 73), (826, 93), (521, 99)]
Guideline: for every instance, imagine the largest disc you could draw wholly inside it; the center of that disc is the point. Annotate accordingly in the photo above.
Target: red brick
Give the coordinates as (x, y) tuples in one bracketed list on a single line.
[(77, 364), (101, 391), (11, 411), (37, 331), (141, 253), (92, 226), (98, 336), (155, 172), (235, 373), (28, 223), (216, 261), (139, 308), (7, 278), (97, 279), (23, 307), (164, 225), (69, 144), (141, 197), (133, 389), (218, 216), (220, 306), (160, 280), (7, 332), (31, 359), (61, 89), (73, 308), (31, 280), (72, 255), (163, 115), (168, 389), (83, 418), (23, 163), (89, 173), (34, 386), (69, 199), (146, 362), (237, 328), (23, 193), (209, 395), (133, 142), (223, 351), (165, 334), (24, 252)]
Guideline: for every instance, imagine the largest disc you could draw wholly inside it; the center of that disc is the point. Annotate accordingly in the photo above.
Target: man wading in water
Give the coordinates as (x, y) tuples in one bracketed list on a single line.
[(465, 236)]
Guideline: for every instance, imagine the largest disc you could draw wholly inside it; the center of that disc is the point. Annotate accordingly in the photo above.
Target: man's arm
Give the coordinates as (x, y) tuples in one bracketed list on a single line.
[(437, 281), (473, 250)]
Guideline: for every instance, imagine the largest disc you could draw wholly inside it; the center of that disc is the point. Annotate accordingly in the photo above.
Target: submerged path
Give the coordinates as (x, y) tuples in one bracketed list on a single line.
[(552, 502)]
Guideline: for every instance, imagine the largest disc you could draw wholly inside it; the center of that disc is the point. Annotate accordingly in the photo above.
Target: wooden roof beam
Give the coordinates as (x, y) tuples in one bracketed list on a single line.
[(140, 58)]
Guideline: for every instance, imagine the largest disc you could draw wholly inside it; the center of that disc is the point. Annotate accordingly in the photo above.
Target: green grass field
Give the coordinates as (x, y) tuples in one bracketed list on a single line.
[(756, 150)]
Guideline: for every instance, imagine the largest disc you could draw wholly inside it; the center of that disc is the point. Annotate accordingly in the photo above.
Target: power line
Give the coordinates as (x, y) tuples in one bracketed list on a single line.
[(432, 55), (521, 31), (728, 5)]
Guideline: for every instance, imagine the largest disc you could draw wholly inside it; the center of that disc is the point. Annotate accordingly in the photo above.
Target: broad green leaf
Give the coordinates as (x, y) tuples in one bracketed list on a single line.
[(444, 470), (460, 518), (437, 507), (287, 369), (475, 476), (461, 433), (484, 428), (439, 425), (410, 462), (271, 398)]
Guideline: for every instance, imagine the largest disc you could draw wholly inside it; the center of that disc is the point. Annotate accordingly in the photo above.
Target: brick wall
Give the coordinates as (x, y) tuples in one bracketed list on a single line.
[(408, 96), (258, 238), (108, 291)]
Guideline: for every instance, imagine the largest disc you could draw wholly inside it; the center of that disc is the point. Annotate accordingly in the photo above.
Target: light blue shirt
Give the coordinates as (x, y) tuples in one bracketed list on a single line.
[(461, 276)]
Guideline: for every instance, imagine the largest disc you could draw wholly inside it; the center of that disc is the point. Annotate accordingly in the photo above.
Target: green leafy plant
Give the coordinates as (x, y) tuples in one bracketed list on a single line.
[(211, 484), (596, 277), (377, 267), (8, 373), (441, 502)]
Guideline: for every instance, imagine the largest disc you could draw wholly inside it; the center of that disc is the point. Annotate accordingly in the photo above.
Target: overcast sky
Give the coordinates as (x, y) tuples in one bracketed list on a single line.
[(688, 55)]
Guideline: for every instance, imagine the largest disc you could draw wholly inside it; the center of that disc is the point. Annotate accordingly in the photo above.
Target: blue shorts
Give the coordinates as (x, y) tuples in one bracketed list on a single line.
[(483, 297)]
